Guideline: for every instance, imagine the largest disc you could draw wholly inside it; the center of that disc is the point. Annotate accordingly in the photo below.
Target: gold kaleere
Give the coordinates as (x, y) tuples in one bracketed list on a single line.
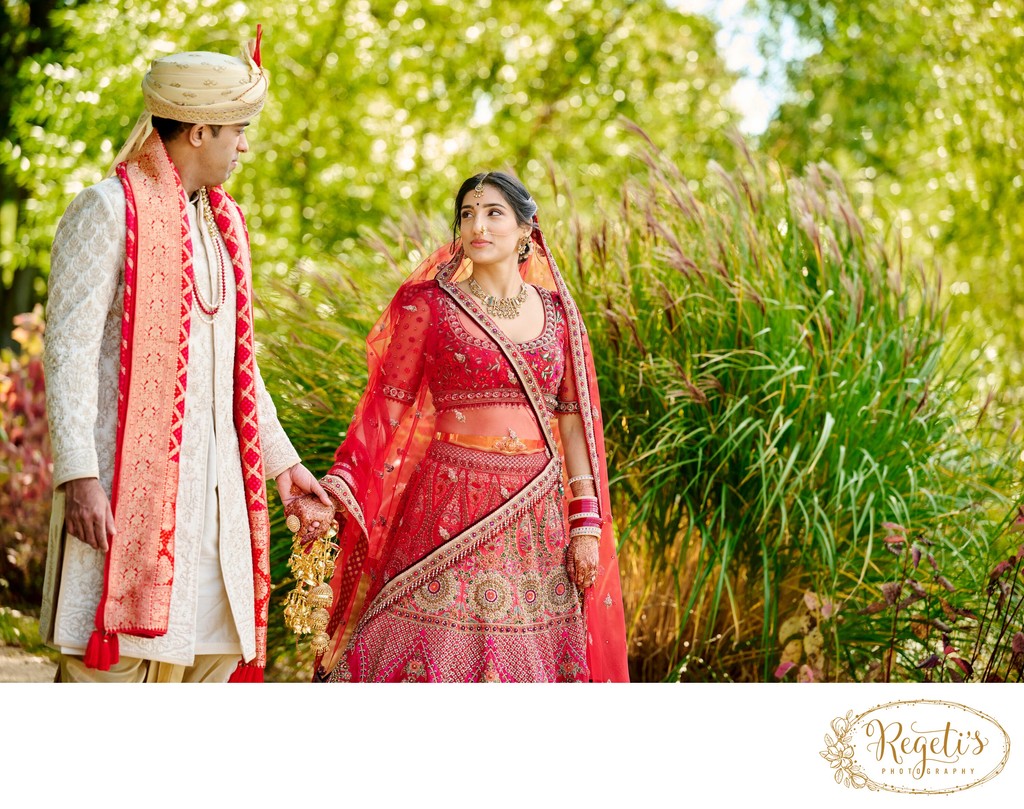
[(312, 565)]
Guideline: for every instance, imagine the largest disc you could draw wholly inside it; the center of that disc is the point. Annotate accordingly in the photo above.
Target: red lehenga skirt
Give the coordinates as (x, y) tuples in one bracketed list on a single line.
[(505, 611)]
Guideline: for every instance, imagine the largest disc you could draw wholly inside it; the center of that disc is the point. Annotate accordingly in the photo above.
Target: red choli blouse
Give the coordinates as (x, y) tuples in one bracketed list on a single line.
[(465, 369)]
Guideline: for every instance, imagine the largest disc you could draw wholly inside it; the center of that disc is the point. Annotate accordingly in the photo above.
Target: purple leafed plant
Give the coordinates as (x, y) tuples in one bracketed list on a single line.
[(943, 632)]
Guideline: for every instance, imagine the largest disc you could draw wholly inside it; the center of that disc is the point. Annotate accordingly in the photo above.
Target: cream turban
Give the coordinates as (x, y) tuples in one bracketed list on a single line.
[(199, 87)]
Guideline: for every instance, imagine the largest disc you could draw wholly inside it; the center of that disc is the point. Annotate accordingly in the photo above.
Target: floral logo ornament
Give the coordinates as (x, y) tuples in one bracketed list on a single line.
[(924, 747), (839, 754)]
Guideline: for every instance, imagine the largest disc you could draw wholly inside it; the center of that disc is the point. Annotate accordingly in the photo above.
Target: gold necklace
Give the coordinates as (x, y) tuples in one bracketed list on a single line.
[(504, 308)]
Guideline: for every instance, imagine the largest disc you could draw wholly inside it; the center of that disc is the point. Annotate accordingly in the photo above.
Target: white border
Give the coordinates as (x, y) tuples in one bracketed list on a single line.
[(450, 745)]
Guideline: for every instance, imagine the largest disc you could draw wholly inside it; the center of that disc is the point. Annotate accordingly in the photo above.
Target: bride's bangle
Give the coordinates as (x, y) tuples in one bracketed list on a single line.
[(584, 506), (572, 480)]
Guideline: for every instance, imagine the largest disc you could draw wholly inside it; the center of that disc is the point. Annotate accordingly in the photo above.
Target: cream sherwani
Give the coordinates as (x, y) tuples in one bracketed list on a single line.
[(212, 596)]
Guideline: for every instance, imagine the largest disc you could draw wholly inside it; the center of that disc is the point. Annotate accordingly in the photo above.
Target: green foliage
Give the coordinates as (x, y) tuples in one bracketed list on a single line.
[(973, 632), (22, 631), (921, 107), (25, 469), (374, 107), (27, 33), (774, 389)]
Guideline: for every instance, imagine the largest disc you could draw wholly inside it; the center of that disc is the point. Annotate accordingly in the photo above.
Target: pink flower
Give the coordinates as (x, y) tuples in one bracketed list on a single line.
[(806, 674)]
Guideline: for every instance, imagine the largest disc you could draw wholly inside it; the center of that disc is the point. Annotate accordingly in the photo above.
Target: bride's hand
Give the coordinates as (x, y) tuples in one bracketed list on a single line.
[(581, 561), (309, 517)]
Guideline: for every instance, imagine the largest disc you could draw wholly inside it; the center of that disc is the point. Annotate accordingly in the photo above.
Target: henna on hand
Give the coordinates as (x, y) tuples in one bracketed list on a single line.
[(309, 517), (582, 560)]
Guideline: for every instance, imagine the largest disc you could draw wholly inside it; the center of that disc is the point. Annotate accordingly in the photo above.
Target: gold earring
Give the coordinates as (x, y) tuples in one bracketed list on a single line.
[(524, 249)]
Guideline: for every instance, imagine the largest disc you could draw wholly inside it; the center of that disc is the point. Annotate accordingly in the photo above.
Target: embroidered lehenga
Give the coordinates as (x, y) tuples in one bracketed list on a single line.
[(452, 562)]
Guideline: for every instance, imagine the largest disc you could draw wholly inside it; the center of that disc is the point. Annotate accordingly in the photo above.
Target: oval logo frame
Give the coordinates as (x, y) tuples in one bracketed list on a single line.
[(923, 747)]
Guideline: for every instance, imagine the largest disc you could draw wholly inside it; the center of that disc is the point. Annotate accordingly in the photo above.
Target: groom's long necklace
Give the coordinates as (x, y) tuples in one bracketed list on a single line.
[(210, 310)]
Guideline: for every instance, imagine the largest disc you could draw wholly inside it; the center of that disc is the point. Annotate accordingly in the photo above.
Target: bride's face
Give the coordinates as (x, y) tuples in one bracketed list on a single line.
[(488, 227)]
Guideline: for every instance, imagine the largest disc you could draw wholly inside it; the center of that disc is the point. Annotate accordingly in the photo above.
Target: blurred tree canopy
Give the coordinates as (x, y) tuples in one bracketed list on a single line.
[(27, 33), (921, 106), (375, 107)]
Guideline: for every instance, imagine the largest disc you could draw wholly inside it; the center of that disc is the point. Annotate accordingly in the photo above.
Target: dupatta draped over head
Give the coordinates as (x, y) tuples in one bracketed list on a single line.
[(380, 452)]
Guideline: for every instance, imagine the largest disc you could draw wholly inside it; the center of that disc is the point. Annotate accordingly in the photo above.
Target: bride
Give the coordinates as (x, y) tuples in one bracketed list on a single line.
[(476, 540)]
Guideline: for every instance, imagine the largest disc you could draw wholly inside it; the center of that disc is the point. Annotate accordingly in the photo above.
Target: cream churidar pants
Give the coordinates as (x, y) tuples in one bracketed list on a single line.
[(205, 669)]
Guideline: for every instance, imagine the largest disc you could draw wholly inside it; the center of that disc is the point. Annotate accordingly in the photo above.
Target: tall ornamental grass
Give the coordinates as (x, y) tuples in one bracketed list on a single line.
[(778, 401)]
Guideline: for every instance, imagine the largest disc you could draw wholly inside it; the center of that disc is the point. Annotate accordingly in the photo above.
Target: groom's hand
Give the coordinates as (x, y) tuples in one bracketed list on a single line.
[(87, 514), (297, 481)]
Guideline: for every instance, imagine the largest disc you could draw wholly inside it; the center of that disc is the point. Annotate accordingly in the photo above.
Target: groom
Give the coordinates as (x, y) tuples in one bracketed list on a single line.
[(163, 433)]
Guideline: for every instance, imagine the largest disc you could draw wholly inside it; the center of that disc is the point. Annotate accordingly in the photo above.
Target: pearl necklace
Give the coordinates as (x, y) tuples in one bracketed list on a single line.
[(209, 311), (504, 308)]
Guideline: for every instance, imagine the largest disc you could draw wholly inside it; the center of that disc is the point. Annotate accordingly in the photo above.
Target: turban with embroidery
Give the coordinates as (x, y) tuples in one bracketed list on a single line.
[(200, 87)]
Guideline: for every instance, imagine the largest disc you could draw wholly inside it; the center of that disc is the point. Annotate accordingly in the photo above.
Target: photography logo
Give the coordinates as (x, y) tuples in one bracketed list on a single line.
[(918, 746)]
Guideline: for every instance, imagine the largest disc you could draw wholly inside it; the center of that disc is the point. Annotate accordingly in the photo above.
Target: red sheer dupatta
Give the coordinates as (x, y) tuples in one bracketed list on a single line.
[(390, 431), (371, 469), (603, 608)]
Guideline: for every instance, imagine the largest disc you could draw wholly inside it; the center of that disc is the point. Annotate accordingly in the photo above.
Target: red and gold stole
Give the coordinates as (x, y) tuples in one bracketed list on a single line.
[(158, 292)]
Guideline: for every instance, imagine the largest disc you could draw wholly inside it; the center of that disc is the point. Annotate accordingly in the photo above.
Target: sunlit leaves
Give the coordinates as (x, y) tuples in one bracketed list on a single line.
[(377, 107), (921, 105)]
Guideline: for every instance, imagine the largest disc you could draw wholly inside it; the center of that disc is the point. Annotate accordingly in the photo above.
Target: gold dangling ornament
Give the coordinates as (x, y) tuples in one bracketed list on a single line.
[(524, 250), (312, 565)]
